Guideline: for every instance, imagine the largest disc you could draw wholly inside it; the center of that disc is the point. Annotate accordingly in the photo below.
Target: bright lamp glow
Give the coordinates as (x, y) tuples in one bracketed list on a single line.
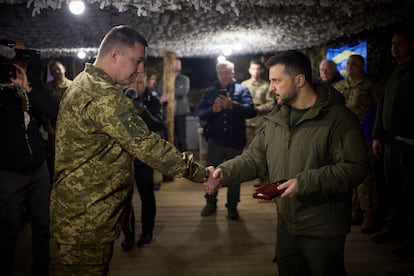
[(77, 7), (221, 58), (81, 54), (227, 51)]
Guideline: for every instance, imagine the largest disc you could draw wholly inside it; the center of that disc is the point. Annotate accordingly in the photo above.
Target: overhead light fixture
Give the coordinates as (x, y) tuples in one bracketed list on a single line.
[(227, 52), (81, 54), (221, 58), (76, 6)]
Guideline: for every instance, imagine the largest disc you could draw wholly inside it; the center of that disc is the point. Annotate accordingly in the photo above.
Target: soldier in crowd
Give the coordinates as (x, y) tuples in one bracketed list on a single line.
[(56, 88), (60, 82), (361, 96), (262, 100), (328, 72), (98, 135)]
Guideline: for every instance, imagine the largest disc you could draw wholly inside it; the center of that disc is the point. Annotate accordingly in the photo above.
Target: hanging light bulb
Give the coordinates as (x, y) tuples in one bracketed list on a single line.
[(81, 54), (77, 6), (221, 58)]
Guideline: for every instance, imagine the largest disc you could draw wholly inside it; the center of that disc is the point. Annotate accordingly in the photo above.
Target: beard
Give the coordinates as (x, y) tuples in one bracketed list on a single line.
[(288, 99)]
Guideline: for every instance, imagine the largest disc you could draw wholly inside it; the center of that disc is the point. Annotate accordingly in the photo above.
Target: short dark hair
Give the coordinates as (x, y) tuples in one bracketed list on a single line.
[(295, 63), (256, 62), (358, 57), (53, 63), (120, 36)]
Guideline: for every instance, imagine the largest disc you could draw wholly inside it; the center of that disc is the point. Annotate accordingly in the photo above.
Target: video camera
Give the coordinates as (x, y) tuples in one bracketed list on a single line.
[(9, 55), (139, 100)]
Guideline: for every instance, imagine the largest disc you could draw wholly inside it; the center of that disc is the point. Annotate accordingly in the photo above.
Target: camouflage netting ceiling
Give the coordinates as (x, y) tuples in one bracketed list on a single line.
[(195, 28)]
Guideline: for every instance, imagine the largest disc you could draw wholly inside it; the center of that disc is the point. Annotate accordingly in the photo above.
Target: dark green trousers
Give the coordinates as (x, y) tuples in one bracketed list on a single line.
[(309, 256)]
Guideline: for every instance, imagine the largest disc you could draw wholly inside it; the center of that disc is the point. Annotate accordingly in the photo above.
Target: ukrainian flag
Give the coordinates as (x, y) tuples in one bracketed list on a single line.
[(340, 55)]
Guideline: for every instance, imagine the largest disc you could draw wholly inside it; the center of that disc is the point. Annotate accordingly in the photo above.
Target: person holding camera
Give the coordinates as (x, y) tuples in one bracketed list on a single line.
[(150, 109), (24, 176), (224, 108)]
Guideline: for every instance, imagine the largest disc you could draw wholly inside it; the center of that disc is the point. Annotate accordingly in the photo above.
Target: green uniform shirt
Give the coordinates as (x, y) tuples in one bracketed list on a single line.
[(262, 100), (98, 134), (359, 95), (57, 90)]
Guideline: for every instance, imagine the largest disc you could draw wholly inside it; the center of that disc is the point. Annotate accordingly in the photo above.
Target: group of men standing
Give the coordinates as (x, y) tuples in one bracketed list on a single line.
[(305, 135), (380, 202)]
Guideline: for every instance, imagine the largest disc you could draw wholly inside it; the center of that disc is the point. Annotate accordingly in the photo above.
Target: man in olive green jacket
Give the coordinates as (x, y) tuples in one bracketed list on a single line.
[(98, 134), (316, 143)]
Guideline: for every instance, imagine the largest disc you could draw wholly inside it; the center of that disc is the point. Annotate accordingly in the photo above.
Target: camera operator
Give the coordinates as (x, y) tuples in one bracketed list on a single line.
[(149, 107), (24, 177)]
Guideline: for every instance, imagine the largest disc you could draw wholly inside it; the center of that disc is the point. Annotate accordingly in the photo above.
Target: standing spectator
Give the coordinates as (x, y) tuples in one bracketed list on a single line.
[(56, 88), (391, 124), (60, 82), (328, 72), (262, 100), (151, 111), (361, 96), (98, 135), (315, 142), (24, 177), (224, 107), (152, 83), (181, 107)]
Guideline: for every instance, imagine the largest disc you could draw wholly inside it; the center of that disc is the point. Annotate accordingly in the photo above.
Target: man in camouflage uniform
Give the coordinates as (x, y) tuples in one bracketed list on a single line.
[(328, 72), (56, 88), (98, 135), (60, 82), (262, 100), (361, 95)]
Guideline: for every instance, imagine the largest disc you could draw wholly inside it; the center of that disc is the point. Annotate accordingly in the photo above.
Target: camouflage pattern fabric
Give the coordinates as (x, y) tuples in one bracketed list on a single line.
[(86, 260), (98, 134), (262, 100), (57, 90), (359, 95), (263, 103)]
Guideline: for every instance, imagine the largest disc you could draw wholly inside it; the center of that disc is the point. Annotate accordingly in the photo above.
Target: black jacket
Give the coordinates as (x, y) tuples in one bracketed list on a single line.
[(21, 146), (153, 116)]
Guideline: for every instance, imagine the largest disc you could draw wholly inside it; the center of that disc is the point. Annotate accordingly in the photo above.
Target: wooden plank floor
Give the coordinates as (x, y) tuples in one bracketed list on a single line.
[(187, 244)]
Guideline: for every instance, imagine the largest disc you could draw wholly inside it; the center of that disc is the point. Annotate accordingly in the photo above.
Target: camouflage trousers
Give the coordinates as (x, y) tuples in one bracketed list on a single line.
[(86, 260), (365, 196)]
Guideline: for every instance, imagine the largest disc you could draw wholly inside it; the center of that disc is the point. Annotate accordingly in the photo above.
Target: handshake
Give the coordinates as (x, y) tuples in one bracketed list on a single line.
[(266, 192), (214, 180)]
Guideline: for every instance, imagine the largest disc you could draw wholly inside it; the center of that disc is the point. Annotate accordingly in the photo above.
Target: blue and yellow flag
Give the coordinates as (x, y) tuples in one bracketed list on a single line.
[(340, 55)]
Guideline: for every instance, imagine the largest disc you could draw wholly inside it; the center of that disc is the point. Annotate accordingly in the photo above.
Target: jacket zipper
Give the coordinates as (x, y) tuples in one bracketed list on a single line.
[(28, 143)]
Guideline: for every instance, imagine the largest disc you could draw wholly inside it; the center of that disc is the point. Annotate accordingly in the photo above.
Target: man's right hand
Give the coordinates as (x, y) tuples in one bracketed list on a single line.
[(217, 105), (213, 182)]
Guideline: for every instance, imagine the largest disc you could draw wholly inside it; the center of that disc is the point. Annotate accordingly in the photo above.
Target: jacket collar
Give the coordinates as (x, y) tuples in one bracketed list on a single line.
[(327, 97)]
